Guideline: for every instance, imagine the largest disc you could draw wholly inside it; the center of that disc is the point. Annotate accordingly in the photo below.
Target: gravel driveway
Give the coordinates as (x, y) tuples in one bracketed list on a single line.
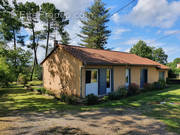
[(97, 122)]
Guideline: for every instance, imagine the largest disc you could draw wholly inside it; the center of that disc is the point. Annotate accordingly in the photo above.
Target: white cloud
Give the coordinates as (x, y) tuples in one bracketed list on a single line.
[(116, 18), (159, 13), (169, 32), (119, 31)]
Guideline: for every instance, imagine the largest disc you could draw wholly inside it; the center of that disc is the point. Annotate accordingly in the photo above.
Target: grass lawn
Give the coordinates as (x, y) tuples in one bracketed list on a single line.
[(18, 100)]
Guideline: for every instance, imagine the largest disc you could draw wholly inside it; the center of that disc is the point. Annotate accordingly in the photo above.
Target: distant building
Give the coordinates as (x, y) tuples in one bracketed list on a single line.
[(178, 65)]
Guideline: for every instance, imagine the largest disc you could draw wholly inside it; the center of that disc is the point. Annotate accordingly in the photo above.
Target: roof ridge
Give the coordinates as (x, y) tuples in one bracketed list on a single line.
[(95, 48)]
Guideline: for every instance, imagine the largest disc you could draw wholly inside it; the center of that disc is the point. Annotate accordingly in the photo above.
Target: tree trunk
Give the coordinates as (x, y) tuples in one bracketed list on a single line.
[(15, 48), (34, 44), (32, 72), (47, 44)]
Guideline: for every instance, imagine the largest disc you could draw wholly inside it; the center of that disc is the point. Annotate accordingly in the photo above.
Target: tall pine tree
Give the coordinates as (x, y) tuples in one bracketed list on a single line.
[(94, 33)]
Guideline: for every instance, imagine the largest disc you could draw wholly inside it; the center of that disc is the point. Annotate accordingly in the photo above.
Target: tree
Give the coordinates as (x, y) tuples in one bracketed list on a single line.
[(65, 38), (173, 66), (141, 49), (5, 73), (160, 56), (10, 28), (30, 9), (50, 16), (94, 33)]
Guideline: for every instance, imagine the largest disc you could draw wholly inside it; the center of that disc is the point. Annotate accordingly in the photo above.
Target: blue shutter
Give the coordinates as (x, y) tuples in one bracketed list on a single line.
[(102, 81)]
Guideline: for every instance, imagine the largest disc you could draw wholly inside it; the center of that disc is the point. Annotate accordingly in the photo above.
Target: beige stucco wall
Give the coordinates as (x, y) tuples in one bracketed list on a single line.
[(120, 72), (178, 65), (119, 75), (62, 71)]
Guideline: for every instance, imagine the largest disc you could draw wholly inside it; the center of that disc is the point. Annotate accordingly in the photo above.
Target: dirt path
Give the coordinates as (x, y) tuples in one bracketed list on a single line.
[(99, 122)]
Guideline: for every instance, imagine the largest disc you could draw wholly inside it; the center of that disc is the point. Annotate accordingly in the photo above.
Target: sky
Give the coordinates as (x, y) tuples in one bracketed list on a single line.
[(156, 22)]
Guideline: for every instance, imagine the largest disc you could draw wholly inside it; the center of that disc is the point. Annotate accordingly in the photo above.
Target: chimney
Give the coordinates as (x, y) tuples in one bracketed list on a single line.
[(55, 43)]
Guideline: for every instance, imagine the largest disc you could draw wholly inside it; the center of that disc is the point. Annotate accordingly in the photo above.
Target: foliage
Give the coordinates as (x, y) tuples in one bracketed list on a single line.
[(22, 79), (161, 84), (5, 73), (173, 66), (143, 50), (42, 90), (133, 89), (69, 99), (94, 33), (92, 99), (148, 87), (52, 21), (160, 56), (118, 94)]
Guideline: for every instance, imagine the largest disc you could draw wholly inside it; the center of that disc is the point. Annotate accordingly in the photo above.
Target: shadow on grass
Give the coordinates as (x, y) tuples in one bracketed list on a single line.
[(18, 101)]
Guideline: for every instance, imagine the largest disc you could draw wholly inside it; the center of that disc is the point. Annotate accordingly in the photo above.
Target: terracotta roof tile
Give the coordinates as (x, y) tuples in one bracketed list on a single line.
[(104, 57)]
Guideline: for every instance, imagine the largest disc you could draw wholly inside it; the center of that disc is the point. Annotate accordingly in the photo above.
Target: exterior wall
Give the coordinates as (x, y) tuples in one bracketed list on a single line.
[(119, 73), (62, 71), (178, 65)]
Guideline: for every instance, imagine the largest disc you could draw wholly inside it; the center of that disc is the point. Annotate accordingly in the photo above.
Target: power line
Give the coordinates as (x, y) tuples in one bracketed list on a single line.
[(163, 37), (122, 8)]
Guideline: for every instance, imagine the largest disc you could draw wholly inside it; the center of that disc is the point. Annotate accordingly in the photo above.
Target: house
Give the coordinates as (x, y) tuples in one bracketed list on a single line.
[(82, 71), (178, 65)]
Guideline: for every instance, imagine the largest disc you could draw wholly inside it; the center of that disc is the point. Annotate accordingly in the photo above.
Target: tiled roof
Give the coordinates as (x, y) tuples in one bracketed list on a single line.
[(91, 56)]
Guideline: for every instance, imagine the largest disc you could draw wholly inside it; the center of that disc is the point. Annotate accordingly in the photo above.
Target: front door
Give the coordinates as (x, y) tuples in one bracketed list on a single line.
[(108, 81), (92, 82), (144, 77)]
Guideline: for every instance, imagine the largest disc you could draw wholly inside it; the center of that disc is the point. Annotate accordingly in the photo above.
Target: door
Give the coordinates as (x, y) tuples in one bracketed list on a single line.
[(108, 80), (92, 82), (144, 77)]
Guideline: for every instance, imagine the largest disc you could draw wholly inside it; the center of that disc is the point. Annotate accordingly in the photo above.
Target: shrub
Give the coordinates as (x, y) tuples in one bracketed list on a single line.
[(161, 84), (116, 95), (22, 79), (148, 87), (91, 99), (133, 89), (41, 90), (69, 99)]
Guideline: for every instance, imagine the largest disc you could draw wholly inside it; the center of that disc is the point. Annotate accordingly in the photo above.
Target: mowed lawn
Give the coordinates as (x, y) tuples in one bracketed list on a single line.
[(163, 105)]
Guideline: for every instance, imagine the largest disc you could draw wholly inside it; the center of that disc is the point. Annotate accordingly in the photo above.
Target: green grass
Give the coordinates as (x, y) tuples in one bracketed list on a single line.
[(18, 100)]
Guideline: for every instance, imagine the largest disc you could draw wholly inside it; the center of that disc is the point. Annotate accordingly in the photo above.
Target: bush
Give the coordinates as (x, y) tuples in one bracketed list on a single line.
[(116, 95), (69, 99), (148, 87), (133, 89), (22, 79), (42, 90), (161, 84), (91, 99)]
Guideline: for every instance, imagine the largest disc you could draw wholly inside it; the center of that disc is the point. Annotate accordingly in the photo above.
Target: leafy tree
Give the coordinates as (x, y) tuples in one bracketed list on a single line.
[(53, 18), (10, 28), (94, 33), (141, 49), (173, 66), (5, 73), (160, 56)]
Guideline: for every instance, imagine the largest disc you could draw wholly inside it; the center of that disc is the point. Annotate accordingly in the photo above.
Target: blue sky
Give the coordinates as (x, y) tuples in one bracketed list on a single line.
[(146, 20)]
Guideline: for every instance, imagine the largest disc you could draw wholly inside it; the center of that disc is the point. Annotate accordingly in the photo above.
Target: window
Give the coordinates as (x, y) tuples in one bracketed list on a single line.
[(91, 76), (161, 75), (108, 75), (127, 76)]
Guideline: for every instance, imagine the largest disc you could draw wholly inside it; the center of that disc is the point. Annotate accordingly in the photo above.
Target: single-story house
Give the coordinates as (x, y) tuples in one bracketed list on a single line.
[(82, 71)]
